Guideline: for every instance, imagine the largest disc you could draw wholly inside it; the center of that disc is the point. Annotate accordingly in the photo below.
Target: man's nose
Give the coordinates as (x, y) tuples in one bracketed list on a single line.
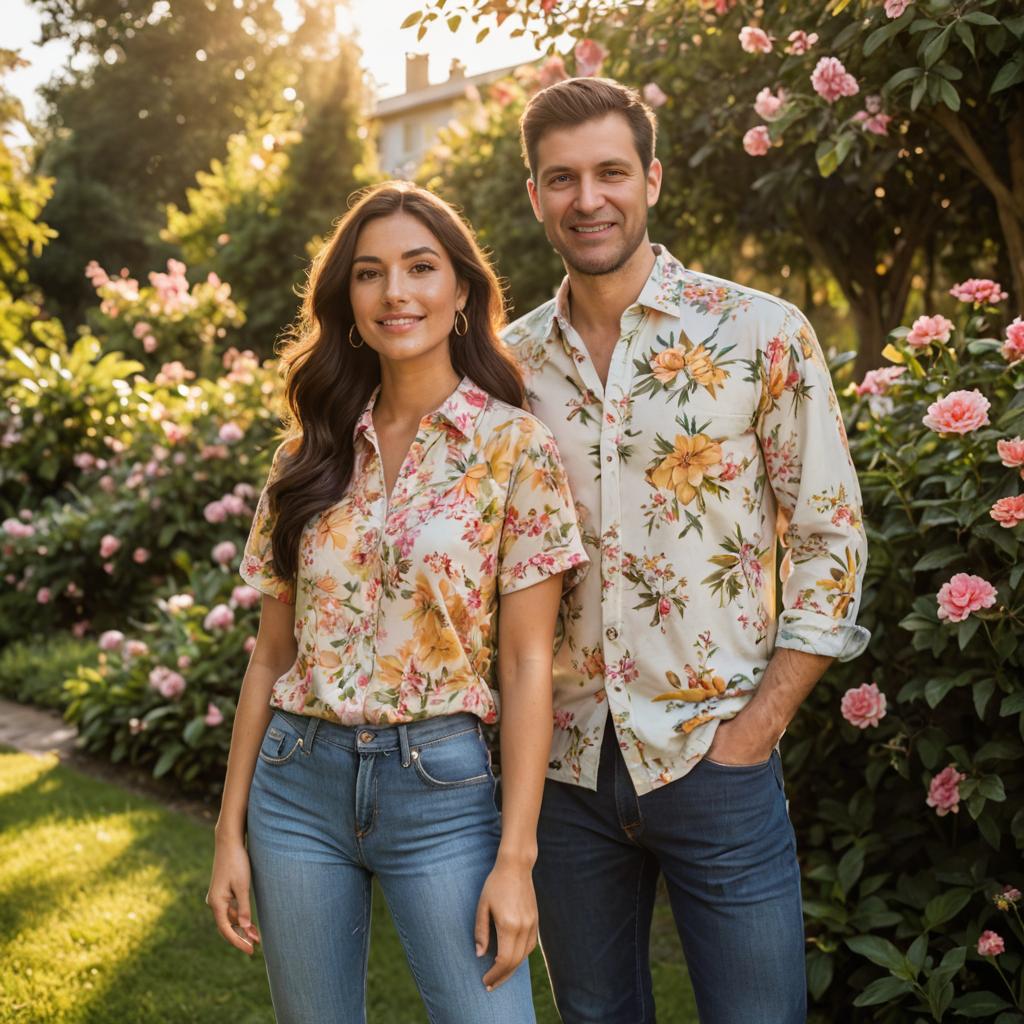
[(588, 196)]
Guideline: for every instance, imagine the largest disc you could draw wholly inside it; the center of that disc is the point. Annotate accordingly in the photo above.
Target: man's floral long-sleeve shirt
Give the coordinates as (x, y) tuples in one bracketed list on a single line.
[(716, 436)]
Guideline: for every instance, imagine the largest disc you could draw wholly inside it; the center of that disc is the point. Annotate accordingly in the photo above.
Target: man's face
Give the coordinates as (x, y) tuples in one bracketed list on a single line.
[(591, 193)]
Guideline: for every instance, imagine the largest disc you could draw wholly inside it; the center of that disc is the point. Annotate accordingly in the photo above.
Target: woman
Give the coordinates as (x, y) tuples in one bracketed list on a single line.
[(411, 498)]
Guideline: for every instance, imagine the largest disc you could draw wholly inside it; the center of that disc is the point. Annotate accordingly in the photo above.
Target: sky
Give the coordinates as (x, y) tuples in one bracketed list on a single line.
[(375, 21)]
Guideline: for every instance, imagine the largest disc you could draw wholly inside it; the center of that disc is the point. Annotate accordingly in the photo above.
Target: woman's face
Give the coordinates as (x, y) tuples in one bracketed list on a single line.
[(403, 290)]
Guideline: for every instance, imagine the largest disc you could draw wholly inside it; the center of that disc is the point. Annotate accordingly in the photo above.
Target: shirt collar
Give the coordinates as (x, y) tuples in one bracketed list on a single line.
[(460, 411), (662, 291)]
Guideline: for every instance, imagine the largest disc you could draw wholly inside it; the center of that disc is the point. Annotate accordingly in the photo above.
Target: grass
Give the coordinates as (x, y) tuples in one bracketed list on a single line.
[(102, 919)]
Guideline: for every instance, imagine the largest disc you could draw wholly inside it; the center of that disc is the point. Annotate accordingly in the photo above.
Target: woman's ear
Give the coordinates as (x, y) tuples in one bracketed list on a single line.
[(461, 295)]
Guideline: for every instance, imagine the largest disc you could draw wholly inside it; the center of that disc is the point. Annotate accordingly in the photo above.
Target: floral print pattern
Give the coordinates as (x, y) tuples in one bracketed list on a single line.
[(395, 599), (716, 440)]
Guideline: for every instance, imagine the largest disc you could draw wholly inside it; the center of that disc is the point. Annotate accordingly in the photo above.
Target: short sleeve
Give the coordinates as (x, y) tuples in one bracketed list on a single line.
[(257, 567), (540, 535)]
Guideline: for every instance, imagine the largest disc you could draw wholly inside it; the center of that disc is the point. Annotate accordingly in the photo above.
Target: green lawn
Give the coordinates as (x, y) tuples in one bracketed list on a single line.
[(102, 918)]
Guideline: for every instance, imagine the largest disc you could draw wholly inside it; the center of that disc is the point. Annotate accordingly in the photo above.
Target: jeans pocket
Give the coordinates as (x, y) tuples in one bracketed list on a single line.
[(453, 761), (757, 767), (280, 742)]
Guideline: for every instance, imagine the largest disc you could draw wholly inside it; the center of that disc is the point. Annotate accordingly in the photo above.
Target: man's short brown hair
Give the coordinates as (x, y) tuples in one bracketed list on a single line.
[(577, 100)]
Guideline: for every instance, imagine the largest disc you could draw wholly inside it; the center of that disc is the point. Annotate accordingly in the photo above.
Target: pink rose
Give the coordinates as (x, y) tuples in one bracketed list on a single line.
[(927, 329), (755, 40), (877, 124), (768, 105), (944, 791), (990, 943), (757, 141), (84, 460), (230, 433), (980, 290), (180, 602), (17, 529), (168, 683), (220, 616), (1013, 347), (831, 80), (863, 705), (960, 412), (140, 556), (245, 596), (43, 595), (876, 382), (149, 343), (232, 504), (250, 644), (1008, 512), (80, 628), (141, 329), (1011, 453), (214, 717), (894, 8), (109, 546), (184, 661), (215, 512), (224, 552), (589, 56), (800, 41), (111, 640), (653, 95), (552, 71), (963, 594), (135, 648)]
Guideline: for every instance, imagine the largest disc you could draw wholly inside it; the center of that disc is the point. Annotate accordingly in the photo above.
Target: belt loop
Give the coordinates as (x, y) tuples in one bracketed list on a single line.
[(403, 743), (311, 727)]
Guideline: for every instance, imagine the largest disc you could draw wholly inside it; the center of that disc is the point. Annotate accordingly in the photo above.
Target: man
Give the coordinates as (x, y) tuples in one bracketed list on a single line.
[(698, 423)]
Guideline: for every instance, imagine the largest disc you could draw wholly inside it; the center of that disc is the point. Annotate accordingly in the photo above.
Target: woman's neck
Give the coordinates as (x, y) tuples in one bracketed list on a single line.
[(409, 393)]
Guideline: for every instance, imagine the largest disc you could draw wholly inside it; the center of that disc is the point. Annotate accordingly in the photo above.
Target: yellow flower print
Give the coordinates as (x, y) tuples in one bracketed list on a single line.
[(701, 367), (701, 684), (684, 470), (469, 485), (334, 527), (499, 454), (666, 365), (844, 582)]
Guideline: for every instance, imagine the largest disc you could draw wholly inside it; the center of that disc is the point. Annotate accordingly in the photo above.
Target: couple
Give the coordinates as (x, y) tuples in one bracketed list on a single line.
[(423, 544)]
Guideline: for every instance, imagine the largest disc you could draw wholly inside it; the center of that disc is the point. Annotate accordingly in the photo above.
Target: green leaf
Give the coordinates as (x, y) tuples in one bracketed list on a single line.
[(886, 32), (918, 94), (999, 750), (883, 991), (1012, 704), (991, 788), (982, 694), (166, 760), (411, 20), (937, 47), (966, 629), (990, 831), (820, 967), (981, 18), (917, 952), (965, 36), (945, 906), (1011, 73), (850, 868), (979, 1004), (878, 950), (936, 689), (949, 95), (901, 78), (938, 558)]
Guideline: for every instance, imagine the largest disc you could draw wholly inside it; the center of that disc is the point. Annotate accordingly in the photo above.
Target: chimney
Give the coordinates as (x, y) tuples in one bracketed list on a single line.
[(416, 72), (456, 70)]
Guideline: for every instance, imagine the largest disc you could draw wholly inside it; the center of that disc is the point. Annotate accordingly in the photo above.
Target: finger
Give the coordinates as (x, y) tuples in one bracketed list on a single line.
[(245, 915), (481, 929), (505, 962), (219, 906)]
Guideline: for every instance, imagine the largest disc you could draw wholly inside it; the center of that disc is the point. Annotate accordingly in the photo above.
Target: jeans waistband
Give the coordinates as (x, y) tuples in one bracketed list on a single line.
[(380, 738)]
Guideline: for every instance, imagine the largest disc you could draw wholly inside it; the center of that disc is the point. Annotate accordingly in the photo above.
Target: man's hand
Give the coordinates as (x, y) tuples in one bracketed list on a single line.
[(738, 742)]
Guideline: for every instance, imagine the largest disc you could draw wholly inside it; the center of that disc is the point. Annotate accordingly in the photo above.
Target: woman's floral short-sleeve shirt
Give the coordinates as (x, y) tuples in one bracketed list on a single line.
[(395, 599)]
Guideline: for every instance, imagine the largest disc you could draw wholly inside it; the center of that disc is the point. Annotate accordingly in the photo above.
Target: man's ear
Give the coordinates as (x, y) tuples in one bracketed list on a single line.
[(531, 188), (654, 182)]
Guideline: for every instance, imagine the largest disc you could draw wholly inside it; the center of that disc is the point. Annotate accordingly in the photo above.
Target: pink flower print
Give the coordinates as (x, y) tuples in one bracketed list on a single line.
[(831, 80), (563, 719), (894, 8), (768, 105), (800, 42), (959, 412), (589, 56), (990, 943), (981, 291), (1008, 512), (944, 791), (1013, 347), (757, 141), (863, 706), (755, 40), (214, 716), (963, 594), (928, 329), (653, 95)]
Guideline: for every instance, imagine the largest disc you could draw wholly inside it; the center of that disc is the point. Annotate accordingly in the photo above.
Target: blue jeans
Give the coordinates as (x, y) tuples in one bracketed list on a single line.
[(333, 806), (722, 837)]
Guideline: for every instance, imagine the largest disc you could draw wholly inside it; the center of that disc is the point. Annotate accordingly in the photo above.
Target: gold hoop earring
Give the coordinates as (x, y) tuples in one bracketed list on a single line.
[(465, 323), (351, 342)]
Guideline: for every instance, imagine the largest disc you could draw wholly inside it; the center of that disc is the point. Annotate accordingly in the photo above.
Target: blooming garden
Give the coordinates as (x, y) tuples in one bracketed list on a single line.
[(133, 446)]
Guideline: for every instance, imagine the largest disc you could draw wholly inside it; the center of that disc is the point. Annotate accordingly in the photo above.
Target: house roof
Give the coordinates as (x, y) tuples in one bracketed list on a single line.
[(440, 92)]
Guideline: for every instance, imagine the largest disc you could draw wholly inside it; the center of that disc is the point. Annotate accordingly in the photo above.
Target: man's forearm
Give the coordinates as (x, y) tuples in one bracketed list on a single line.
[(788, 679)]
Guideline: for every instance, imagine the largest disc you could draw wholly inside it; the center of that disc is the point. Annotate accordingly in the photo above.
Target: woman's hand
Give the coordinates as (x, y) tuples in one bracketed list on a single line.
[(509, 900), (228, 895)]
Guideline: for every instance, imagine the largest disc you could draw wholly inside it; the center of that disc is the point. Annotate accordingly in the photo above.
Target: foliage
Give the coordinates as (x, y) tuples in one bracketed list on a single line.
[(33, 671)]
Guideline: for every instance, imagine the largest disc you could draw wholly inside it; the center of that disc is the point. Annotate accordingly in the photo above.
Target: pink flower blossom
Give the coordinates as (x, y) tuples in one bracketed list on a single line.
[(80, 628), (96, 274), (1008, 897), (135, 648), (1011, 453), (589, 56), (944, 791), (172, 374), (755, 40), (168, 683), (250, 644), (894, 8), (173, 432), (141, 329), (980, 290), (653, 95), (768, 105), (831, 80), (959, 412), (1013, 347), (220, 616), (800, 42), (111, 640), (876, 124), (1008, 512), (213, 451), (135, 726), (84, 460), (149, 343), (990, 943), (140, 556), (757, 141), (224, 552), (109, 545), (552, 71), (180, 603), (963, 594), (928, 329), (184, 661), (214, 717), (230, 433), (245, 596), (215, 512), (876, 382), (863, 705), (43, 595), (17, 529), (232, 504)]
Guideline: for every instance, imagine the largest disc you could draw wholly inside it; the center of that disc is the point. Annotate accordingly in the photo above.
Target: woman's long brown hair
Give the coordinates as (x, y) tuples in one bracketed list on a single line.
[(328, 382)]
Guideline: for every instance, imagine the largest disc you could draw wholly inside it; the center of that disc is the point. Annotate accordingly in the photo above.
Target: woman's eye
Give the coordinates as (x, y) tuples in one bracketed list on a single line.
[(365, 275), (419, 267)]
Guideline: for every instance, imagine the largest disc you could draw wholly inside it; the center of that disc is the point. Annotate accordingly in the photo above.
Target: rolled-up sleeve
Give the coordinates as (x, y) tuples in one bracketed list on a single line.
[(811, 473), (257, 568)]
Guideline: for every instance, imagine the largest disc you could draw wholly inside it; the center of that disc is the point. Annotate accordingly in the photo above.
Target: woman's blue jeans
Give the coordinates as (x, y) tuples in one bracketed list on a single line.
[(333, 806), (721, 836)]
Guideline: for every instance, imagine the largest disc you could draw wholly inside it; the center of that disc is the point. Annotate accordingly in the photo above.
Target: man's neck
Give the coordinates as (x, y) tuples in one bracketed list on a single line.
[(597, 302)]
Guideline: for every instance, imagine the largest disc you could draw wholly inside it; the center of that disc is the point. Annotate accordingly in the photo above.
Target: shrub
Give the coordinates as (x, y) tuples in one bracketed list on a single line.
[(34, 671)]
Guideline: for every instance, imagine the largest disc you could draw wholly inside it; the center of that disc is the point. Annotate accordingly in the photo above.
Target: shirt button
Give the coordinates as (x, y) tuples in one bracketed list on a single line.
[(607, 458), (365, 737), (612, 633)]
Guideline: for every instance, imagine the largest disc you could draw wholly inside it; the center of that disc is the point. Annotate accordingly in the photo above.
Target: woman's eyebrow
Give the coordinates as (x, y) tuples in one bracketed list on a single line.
[(405, 255)]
